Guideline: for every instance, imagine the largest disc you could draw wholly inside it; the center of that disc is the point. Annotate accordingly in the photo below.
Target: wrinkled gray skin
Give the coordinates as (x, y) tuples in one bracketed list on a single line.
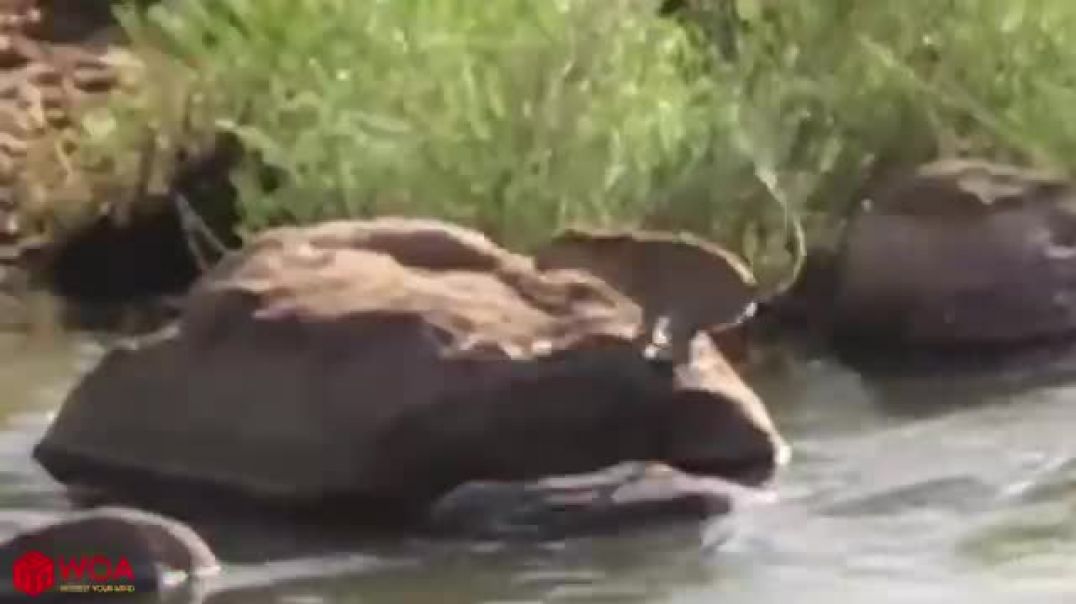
[(660, 412)]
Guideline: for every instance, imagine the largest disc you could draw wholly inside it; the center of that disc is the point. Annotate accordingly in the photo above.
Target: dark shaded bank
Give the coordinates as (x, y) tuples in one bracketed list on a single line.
[(162, 248), (128, 275)]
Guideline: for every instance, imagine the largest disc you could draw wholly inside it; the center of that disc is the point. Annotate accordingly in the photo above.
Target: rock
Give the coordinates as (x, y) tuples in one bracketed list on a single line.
[(56, 59), (677, 279), (312, 369), (611, 501), (960, 254), (111, 548)]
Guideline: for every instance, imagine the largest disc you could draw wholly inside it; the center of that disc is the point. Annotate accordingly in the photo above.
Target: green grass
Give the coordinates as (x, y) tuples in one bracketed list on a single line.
[(515, 116), (521, 116), (842, 90)]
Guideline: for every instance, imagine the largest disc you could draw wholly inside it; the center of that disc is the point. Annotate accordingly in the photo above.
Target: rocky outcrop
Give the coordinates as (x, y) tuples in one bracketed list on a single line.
[(51, 64), (381, 364), (960, 254), (111, 548)]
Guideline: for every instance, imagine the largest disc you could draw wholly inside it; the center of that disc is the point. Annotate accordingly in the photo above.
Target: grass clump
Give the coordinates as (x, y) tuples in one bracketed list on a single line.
[(522, 116), (835, 95), (514, 116)]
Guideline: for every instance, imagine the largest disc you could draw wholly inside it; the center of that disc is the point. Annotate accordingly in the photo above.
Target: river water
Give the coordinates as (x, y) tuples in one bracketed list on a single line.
[(902, 490)]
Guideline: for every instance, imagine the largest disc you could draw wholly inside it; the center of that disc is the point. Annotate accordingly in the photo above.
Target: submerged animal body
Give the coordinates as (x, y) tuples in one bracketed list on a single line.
[(397, 382), (683, 284)]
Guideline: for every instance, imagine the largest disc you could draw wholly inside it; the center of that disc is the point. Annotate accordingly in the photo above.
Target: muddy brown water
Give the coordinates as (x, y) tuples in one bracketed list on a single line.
[(950, 488)]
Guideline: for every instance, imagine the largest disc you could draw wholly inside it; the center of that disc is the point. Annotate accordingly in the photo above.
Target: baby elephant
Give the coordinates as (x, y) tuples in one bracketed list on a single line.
[(683, 284)]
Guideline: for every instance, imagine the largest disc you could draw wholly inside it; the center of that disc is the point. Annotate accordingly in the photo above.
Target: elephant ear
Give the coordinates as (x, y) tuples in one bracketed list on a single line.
[(685, 275)]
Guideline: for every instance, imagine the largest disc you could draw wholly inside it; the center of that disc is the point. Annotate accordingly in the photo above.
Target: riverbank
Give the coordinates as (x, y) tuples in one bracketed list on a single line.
[(779, 128)]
